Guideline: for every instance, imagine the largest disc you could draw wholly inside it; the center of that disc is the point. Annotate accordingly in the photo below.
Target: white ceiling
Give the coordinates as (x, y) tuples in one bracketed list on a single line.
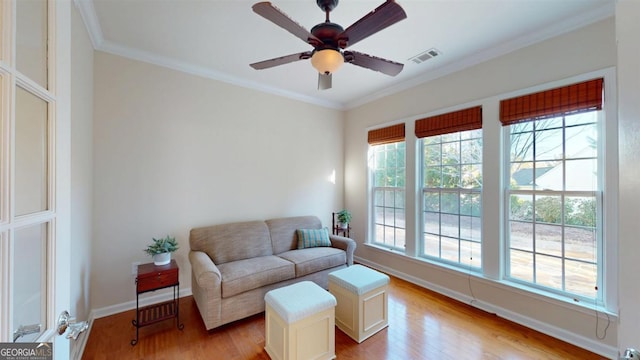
[(219, 39)]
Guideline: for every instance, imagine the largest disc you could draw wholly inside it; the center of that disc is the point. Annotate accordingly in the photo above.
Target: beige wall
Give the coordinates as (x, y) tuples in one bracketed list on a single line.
[(81, 165), (582, 51), (174, 151), (627, 30)]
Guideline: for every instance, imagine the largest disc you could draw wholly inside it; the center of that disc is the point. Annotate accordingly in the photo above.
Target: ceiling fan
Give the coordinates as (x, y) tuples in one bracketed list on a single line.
[(329, 40)]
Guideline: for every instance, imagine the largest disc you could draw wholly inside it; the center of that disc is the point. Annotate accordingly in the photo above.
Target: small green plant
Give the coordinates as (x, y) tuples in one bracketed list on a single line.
[(344, 216), (159, 246)]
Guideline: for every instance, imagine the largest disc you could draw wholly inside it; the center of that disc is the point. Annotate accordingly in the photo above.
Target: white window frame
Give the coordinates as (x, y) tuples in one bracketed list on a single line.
[(372, 238), (608, 177), (459, 191)]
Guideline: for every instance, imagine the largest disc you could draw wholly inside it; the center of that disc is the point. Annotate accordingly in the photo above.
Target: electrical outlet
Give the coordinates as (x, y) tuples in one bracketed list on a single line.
[(134, 268)]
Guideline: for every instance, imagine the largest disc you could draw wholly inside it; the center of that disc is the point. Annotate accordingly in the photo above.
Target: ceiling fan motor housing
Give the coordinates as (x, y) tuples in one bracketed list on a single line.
[(328, 33)]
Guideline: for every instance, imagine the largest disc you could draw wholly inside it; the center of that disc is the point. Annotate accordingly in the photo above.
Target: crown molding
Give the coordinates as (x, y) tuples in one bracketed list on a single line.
[(548, 32), (189, 68), (91, 22)]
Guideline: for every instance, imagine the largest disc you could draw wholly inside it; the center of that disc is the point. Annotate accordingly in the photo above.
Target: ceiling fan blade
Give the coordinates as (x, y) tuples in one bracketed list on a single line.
[(276, 16), (280, 60), (324, 81), (384, 66), (383, 16)]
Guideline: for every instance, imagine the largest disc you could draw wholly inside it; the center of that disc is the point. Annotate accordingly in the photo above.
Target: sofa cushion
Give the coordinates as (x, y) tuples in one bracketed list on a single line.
[(244, 275), (316, 259), (233, 241), (308, 238), (283, 231)]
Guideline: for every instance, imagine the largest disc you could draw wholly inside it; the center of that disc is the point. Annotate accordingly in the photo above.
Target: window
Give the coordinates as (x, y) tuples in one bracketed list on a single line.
[(530, 204), (451, 182), (387, 197), (554, 191)]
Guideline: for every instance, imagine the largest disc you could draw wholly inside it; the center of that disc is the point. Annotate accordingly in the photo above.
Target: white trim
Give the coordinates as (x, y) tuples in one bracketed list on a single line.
[(5, 146), (577, 340), (189, 68), (78, 346), (549, 298), (60, 86), (547, 32), (91, 22), (34, 88), (130, 305), (610, 181), (7, 27), (78, 351)]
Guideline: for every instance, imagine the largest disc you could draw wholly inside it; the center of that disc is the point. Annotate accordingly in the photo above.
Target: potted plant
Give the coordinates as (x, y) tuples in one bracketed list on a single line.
[(161, 250), (344, 217)]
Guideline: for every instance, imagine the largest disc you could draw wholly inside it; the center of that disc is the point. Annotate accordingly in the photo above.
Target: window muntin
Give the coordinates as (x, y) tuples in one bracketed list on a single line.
[(388, 194), (554, 204), (451, 169)]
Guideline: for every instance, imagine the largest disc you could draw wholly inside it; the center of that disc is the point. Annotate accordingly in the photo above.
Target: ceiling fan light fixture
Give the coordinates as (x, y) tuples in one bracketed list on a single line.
[(327, 61)]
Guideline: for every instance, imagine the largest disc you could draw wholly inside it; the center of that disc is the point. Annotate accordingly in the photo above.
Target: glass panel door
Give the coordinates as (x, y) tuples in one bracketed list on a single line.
[(34, 228), (29, 282), (31, 153)]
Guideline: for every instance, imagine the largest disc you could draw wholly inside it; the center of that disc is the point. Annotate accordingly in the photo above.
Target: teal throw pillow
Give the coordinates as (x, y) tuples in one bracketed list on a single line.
[(308, 238)]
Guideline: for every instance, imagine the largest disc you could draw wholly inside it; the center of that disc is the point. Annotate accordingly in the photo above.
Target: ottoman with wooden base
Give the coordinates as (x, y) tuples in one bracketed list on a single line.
[(299, 322), (361, 293)]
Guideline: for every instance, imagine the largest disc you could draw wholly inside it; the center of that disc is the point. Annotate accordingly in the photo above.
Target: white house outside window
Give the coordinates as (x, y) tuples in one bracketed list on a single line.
[(554, 192)]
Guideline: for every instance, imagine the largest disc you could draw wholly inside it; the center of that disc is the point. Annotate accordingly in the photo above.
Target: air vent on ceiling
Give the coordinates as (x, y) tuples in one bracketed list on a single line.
[(422, 57)]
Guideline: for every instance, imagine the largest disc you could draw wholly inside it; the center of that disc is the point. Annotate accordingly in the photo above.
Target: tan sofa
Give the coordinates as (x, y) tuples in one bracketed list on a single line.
[(234, 265)]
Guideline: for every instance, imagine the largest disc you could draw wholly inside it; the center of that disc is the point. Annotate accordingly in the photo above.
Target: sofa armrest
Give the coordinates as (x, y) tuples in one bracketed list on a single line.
[(346, 244), (205, 272), (206, 287)]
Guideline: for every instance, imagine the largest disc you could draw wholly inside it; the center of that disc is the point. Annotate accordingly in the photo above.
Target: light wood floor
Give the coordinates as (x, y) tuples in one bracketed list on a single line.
[(422, 325)]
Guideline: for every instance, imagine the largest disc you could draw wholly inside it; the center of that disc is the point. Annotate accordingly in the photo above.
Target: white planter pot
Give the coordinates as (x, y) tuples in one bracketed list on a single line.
[(162, 259)]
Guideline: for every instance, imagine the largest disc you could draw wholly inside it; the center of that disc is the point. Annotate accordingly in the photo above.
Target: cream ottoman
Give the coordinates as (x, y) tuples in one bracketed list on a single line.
[(299, 322), (362, 301)]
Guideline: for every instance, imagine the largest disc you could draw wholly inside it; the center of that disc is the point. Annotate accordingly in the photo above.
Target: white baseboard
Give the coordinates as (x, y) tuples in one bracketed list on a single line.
[(130, 305), (607, 351), (77, 347), (78, 350)]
